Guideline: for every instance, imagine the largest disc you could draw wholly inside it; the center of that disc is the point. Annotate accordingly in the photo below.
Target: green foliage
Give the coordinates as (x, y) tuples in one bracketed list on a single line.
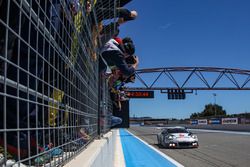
[(241, 115), (209, 111)]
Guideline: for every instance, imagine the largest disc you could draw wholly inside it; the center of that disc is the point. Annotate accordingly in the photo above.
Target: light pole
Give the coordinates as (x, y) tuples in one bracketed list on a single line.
[(214, 94)]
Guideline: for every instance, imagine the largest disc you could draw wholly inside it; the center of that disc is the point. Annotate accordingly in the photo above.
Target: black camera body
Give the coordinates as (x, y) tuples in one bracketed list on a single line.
[(131, 59)]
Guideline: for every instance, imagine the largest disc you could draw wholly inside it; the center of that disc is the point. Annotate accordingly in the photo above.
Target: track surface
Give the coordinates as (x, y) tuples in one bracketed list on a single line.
[(216, 149)]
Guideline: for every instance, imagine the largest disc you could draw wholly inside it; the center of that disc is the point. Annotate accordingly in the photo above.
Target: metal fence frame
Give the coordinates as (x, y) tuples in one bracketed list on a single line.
[(51, 94)]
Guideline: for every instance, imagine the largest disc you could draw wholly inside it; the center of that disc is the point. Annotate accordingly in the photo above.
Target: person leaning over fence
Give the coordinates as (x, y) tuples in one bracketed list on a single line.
[(106, 9), (122, 13), (110, 10), (112, 30), (118, 79), (116, 73), (117, 82), (115, 54)]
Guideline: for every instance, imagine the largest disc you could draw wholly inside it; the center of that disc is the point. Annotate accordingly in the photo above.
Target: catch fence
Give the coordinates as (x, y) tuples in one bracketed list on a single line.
[(53, 101)]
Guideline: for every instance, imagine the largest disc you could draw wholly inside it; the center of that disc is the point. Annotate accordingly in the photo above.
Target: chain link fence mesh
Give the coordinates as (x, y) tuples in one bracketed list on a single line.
[(49, 79)]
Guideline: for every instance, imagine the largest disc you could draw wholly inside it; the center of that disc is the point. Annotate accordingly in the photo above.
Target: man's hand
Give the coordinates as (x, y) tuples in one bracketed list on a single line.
[(137, 62)]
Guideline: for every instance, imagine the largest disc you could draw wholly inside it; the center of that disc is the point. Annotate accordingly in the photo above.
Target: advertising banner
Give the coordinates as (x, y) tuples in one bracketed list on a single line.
[(226, 121), (214, 121), (245, 120), (194, 122), (202, 122)]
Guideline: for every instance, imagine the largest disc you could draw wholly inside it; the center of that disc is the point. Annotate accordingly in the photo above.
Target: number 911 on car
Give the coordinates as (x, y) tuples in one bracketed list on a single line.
[(177, 137)]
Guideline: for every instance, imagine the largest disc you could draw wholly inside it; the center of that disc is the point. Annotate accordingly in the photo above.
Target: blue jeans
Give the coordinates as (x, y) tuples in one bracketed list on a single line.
[(115, 121)]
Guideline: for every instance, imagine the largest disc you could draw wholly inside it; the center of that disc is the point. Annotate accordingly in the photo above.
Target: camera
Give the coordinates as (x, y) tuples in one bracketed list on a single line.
[(131, 59)]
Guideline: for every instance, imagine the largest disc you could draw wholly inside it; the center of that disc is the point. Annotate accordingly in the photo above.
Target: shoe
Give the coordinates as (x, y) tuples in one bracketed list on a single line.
[(72, 147), (45, 158), (56, 152), (9, 156), (75, 7), (9, 163), (123, 96), (1, 159), (13, 151), (83, 135), (88, 6)]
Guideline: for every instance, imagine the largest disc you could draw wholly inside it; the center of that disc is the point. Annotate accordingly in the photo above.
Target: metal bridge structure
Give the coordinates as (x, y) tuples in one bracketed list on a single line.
[(192, 78)]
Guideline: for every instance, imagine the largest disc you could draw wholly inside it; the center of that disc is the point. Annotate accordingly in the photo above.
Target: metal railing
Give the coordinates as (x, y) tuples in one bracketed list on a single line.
[(49, 78)]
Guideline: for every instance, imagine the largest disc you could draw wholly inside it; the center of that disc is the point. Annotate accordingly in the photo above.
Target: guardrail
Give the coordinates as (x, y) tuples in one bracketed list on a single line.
[(223, 121)]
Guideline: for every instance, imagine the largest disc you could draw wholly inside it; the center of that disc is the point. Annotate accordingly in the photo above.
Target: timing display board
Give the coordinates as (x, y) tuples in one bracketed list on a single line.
[(140, 94)]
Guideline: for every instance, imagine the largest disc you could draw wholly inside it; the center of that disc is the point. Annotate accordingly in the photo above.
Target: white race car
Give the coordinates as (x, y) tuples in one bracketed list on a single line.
[(177, 137)]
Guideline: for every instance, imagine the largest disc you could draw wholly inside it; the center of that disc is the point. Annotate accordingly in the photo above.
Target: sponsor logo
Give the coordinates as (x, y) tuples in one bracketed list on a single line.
[(194, 122), (214, 121), (229, 121), (245, 120), (202, 121), (181, 135)]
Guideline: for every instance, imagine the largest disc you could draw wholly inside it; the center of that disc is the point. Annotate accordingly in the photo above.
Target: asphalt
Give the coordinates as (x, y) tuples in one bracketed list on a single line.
[(215, 150)]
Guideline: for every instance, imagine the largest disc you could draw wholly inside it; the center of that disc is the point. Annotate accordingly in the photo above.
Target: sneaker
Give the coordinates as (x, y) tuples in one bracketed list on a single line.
[(13, 151), (9, 163), (1, 159), (75, 7), (9, 156), (45, 158), (88, 6)]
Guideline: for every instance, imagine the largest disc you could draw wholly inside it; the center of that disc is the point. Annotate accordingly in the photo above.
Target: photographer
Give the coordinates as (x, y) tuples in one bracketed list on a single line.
[(115, 53)]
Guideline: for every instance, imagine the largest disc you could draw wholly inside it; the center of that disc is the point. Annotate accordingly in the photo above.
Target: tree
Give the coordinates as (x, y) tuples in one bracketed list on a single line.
[(194, 115), (210, 110)]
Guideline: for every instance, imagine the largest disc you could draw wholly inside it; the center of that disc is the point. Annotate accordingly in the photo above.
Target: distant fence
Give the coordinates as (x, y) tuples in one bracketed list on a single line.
[(201, 121), (52, 99), (223, 121)]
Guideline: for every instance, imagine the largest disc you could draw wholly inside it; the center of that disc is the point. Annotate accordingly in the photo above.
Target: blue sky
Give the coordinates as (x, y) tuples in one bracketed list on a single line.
[(171, 33)]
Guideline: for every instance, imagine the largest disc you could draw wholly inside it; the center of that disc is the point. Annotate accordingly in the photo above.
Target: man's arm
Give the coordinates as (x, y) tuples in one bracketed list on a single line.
[(120, 62)]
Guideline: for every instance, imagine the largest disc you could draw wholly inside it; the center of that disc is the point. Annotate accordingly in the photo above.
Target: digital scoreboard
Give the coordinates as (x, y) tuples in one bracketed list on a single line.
[(140, 94)]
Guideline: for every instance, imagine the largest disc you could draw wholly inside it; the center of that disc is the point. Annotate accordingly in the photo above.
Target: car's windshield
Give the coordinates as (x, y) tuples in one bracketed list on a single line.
[(177, 130)]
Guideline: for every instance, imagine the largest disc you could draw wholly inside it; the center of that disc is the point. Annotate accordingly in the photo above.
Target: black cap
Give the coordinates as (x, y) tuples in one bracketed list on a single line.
[(127, 40), (129, 48)]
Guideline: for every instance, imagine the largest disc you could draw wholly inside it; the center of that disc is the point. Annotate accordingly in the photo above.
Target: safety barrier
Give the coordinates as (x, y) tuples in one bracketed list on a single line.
[(223, 121), (99, 153)]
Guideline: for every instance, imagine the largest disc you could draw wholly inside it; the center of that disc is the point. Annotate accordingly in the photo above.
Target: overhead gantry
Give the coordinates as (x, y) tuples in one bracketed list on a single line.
[(192, 78)]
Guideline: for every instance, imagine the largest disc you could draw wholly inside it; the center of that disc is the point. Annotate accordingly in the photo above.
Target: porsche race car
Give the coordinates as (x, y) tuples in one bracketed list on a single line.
[(177, 137)]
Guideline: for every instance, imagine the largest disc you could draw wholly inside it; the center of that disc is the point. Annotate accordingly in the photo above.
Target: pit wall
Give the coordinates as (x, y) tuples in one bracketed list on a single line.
[(99, 153)]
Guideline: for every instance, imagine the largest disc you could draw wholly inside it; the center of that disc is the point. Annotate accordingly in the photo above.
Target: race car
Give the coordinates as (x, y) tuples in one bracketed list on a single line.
[(177, 137)]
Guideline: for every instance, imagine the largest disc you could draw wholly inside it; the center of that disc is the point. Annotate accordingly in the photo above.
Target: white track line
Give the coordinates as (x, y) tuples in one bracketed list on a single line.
[(119, 160), (159, 152)]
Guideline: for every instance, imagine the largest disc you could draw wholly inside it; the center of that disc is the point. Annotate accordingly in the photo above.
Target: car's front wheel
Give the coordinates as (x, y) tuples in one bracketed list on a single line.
[(158, 140)]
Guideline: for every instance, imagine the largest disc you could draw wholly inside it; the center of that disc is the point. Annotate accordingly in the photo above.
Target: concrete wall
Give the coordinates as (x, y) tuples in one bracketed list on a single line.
[(99, 153)]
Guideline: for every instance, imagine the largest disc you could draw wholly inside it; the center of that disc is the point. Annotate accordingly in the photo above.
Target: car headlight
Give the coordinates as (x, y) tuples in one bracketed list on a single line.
[(194, 136), (171, 137)]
